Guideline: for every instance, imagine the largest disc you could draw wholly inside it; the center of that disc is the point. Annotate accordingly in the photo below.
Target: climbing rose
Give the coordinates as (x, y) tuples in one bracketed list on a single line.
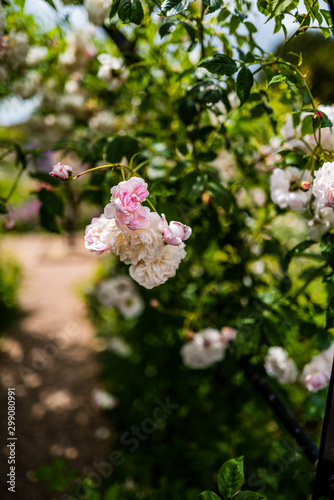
[(280, 187), (98, 233), (175, 232), (280, 366), (205, 349), (156, 272), (323, 186), (125, 204), (61, 171)]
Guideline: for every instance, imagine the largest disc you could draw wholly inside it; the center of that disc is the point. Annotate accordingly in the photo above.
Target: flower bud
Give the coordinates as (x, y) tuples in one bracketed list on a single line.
[(317, 119), (175, 232), (61, 171), (305, 186)]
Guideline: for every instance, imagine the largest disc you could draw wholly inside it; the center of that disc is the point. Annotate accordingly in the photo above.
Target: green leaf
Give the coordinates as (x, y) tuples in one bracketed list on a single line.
[(327, 248), (53, 204), (121, 146), (281, 6), (187, 111), (219, 64), (213, 5), (44, 177), (221, 195), (167, 27), (231, 477), (298, 250), (248, 495), (130, 11), (112, 493), (244, 84), (208, 495), (114, 8), (194, 184), (173, 7), (190, 30), (277, 79), (325, 122), (307, 125), (47, 220), (50, 2)]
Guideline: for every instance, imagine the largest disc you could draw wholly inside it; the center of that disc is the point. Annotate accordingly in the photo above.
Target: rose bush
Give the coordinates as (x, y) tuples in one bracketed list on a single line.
[(186, 118)]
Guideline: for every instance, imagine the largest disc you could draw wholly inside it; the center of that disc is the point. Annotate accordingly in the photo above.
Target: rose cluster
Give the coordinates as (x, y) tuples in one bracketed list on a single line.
[(141, 238), (315, 375)]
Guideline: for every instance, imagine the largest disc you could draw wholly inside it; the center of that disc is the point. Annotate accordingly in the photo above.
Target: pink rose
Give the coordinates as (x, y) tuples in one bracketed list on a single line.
[(61, 171), (97, 234), (175, 232), (125, 204), (316, 381)]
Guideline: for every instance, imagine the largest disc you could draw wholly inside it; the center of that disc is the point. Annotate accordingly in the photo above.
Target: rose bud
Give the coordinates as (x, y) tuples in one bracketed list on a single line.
[(61, 171), (175, 232), (305, 186), (317, 119)]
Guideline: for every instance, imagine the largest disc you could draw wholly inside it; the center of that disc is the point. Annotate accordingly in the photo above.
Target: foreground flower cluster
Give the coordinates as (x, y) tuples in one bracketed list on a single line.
[(315, 375), (141, 238)]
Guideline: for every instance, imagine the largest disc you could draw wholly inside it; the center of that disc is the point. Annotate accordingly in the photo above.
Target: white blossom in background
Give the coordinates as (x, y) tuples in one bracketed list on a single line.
[(120, 293), (108, 64), (327, 135), (204, 349), (316, 374), (322, 222), (103, 399), (14, 49), (97, 10), (158, 271), (281, 182), (36, 55), (110, 290), (103, 121), (131, 306), (119, 346), (323, 186), (78, 50), (279, 366), (228, 334), (28, 86)]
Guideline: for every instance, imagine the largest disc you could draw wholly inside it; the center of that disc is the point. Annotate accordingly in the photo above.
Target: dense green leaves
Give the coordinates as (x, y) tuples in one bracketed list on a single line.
[(231, 477), (213, 5), (130, 11), (219, 64)]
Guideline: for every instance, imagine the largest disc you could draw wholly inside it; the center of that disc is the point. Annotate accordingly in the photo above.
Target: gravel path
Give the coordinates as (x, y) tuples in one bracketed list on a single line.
[(49, 357)]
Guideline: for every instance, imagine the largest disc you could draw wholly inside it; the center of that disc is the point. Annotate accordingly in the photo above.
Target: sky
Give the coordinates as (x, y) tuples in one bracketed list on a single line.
[(14, 110)]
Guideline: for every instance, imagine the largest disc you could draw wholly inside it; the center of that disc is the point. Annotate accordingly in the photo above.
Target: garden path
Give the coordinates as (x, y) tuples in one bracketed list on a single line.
[(49, 357)]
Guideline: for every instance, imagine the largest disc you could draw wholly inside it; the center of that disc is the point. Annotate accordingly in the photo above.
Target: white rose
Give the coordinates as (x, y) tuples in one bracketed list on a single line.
[(97, 10), (205, 349), (141, 245), (280, 184), (280, 366), (156, 272)]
